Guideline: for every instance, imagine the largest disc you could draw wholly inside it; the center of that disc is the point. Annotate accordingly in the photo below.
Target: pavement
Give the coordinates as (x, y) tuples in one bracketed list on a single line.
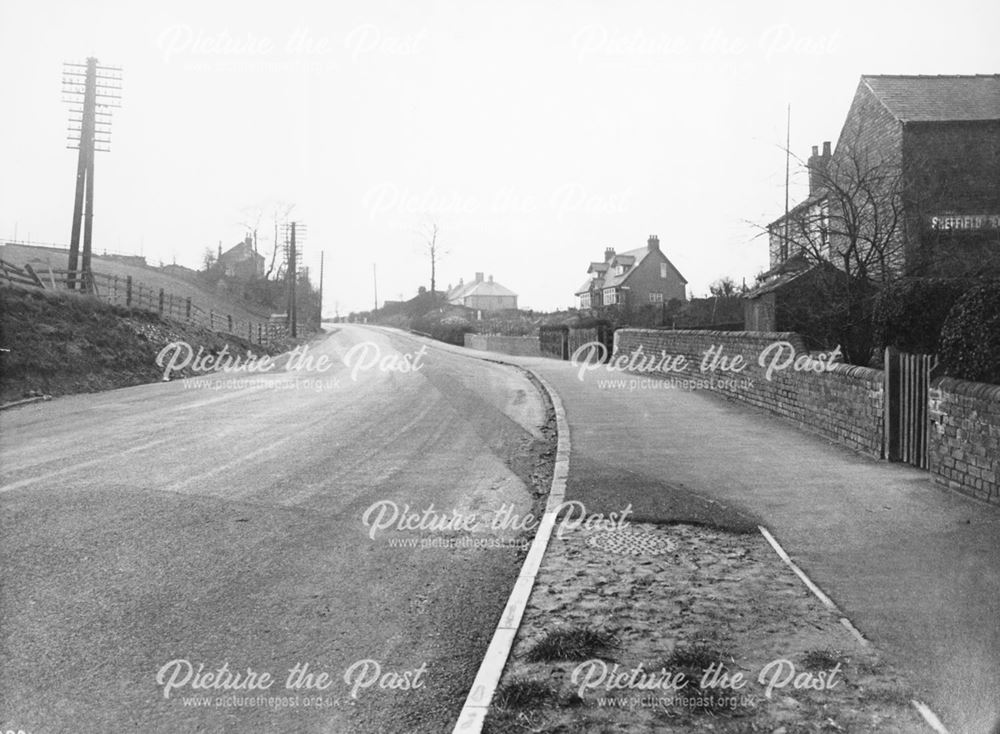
[(914, 567)]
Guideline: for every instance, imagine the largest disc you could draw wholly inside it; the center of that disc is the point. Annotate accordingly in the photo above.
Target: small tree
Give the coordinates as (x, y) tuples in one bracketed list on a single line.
[(723, 287)]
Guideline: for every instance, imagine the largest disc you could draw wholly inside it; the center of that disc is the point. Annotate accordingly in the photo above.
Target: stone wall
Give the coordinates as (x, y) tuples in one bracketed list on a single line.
[(843, 403), (965, 437)]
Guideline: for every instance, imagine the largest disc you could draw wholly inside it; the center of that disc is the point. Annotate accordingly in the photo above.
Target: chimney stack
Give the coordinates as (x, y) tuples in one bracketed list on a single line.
[(609, 253), (653, 243), (818, 166), (491, 279), (479, 277)]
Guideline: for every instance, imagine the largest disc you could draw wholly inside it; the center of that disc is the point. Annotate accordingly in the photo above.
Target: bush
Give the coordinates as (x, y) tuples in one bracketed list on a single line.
[(828, 309), (909, 313), (450, 329), (970, 337)]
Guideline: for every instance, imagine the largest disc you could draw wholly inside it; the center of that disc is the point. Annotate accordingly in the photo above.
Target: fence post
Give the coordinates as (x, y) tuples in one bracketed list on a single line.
[(259, 331), (128, 290), (187, 308), (249, 332), (114, 291), (229, 323), (211, 320), (161, 302)]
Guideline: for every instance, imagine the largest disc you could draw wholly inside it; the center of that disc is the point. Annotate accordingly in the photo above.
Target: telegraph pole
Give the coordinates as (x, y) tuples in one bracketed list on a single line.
[(788, 155), (292, 277), (294, 232), (85, 88), (321, 253)]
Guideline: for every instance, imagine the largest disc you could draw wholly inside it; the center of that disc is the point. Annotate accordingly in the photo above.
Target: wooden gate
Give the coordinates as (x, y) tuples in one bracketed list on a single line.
[(907, 384)]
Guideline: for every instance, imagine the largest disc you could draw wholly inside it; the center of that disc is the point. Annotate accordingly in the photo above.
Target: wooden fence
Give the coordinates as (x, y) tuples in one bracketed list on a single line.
[(124, 291), (907, 387)]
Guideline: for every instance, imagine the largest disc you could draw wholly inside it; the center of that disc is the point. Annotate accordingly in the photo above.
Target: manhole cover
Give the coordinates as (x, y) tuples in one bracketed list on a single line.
[(632, 543)]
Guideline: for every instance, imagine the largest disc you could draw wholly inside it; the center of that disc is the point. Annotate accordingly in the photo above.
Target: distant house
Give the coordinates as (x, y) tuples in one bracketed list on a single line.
[(635, 277), (242, 261), (482, 295)]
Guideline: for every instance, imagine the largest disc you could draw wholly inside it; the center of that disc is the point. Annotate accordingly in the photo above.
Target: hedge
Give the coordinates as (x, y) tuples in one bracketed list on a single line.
[(970, 337)]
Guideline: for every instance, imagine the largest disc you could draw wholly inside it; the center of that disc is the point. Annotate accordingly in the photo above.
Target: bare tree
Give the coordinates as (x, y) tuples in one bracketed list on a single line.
[(279, 214), (208, 258), (429, 234), (854, 224), (856, 221)]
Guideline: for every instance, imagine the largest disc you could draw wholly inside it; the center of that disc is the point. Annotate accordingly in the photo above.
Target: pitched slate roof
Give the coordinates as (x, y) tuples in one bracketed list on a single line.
[(632, 258), (585, 288), (938, 98), (487, 288)]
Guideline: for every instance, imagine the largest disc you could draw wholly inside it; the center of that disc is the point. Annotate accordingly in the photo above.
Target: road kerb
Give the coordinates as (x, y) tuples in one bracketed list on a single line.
[(477, 703), (923, 709)]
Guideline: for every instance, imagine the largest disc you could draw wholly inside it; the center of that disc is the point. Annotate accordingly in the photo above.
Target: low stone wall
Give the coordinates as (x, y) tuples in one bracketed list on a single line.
[(525, 346), (964, 437), (843, 403)]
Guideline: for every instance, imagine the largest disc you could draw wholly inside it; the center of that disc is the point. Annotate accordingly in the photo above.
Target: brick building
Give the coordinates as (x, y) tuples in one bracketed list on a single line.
[(913, 186), (636, 277), (242, 261)]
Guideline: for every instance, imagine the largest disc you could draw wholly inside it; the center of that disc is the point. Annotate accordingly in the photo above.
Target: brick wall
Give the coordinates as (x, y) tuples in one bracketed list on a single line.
[(965, 437), (526, 346), (843, 404)]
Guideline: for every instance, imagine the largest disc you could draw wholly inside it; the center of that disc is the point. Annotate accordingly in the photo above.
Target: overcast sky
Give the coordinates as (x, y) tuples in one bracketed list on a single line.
[(535, 134)]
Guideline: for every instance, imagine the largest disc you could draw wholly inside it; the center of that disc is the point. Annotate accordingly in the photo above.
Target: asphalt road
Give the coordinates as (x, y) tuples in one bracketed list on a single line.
[(151, 530)]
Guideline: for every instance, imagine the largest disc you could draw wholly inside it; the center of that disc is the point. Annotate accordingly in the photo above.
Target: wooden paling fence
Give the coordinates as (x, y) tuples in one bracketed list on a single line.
[(124, 291), (907, 387)]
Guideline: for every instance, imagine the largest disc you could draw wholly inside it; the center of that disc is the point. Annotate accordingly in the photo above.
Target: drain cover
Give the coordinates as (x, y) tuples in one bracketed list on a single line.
[(632, 543)]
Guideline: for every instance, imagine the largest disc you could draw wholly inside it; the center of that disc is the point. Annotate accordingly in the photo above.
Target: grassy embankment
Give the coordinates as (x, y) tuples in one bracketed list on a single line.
[(62, 343)]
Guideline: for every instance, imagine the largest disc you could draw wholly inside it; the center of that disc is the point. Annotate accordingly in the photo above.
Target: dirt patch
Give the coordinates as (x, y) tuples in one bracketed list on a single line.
[(687, 628)]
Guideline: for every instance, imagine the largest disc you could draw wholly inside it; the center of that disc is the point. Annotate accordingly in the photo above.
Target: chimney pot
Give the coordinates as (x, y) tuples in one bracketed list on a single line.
[(479, 277), (653, 243), (491, 279), (818, 166), (609, 253)]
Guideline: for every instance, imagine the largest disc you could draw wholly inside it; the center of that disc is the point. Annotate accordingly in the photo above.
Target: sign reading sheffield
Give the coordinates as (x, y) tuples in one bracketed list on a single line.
[(965, 222)]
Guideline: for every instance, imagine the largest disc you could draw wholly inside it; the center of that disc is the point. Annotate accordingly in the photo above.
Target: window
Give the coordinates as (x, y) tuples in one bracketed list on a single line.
[(609, 297), (663, 272), (824, 229), (656, 298)]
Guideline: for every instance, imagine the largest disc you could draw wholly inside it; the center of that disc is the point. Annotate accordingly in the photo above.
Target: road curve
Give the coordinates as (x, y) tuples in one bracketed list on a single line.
[(219, 521)]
